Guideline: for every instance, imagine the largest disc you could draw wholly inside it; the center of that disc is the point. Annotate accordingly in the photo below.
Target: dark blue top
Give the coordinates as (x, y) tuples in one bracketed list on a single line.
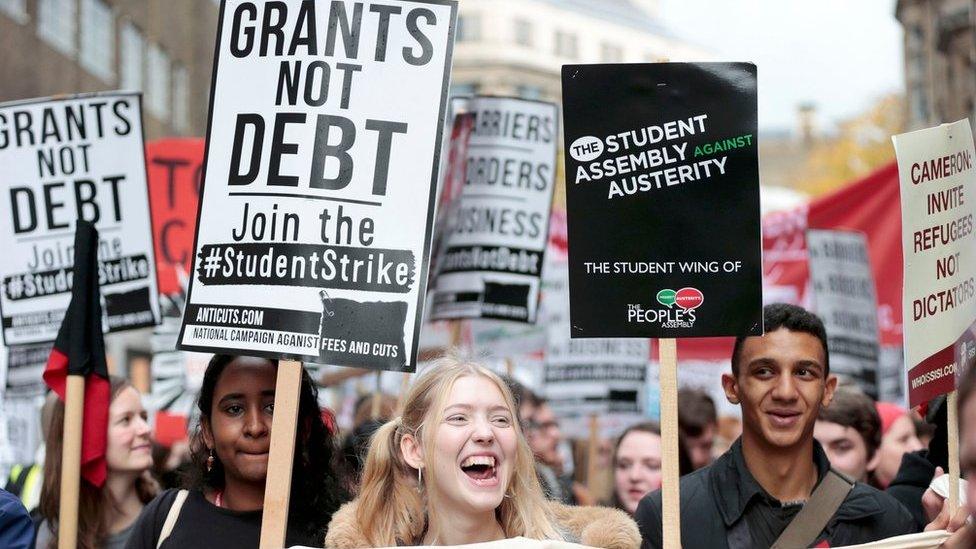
[(16, 526)]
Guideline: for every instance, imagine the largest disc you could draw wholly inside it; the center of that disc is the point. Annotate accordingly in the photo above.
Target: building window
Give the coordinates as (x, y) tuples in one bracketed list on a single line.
[(469, 28), (57, 24), (16, 9), (567, 45), (523, 32), (98, 39), (181, 99), (157, 83), (530, 92), (610, 53), (130, 58), (919, 103), (463, 90)]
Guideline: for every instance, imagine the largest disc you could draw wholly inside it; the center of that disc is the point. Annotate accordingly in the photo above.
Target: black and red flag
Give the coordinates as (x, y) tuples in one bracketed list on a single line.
[(80, 350)]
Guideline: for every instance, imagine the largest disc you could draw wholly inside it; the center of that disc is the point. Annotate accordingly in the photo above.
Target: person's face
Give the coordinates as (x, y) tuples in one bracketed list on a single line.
[(473, 458), (637, 468), (544, 435), (525, 412), (129, 448), (239, 430), (781, 386), (845, 448), (700, 447), (967, 449), (899, 439)]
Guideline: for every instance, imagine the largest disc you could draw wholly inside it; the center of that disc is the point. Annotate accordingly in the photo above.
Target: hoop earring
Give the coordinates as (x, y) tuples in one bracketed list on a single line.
[(420, 478), (210, 461)]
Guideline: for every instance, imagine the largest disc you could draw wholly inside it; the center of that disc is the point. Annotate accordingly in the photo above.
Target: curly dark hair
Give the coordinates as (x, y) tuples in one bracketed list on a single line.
[(794, 319), (316, 490)]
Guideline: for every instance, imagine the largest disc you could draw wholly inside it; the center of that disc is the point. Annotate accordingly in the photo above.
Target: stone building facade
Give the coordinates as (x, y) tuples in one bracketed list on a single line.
[(940, 60), (163, 48)]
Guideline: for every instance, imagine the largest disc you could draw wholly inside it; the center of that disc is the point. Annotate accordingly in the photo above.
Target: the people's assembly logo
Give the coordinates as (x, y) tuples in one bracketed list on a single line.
[(674, 309)]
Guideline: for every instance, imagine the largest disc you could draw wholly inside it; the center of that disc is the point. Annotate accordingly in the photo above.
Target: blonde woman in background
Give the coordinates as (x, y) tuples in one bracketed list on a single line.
[(454, 468)]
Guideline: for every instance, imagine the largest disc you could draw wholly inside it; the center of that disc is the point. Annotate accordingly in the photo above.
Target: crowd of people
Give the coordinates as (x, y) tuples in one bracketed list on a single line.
[(467, 455)]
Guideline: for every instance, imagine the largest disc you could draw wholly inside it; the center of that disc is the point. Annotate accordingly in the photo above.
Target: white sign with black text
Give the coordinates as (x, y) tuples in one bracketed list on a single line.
[(605, 376), (320, 177), (489, 264), (78, 157), (844, 297)]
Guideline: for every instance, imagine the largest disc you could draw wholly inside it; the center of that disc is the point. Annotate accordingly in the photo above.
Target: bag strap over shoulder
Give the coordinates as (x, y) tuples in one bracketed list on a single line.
[(806, 526), (172, 516)]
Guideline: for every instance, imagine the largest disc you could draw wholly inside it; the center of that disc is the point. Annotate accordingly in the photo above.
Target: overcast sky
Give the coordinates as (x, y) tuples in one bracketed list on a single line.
[(839, 54)]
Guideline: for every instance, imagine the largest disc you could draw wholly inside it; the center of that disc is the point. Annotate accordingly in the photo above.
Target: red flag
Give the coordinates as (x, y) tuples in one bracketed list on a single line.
[(80, 350)]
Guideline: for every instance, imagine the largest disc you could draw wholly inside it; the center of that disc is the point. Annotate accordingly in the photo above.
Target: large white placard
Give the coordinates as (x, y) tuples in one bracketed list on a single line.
[(938, 204), (79, 157), (844, 297), (489, 264), (320, 173), (605, 376)]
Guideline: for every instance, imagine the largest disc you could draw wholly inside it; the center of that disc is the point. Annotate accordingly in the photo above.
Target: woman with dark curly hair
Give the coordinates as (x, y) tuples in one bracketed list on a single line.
[(223, 505)]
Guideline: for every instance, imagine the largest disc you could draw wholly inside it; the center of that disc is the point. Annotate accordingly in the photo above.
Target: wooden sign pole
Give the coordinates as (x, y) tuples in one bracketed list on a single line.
[(374, 412), (140, 374), (277, 487), (593, 454), (952, 423), (670, 494), (455, 333), (74, 406)]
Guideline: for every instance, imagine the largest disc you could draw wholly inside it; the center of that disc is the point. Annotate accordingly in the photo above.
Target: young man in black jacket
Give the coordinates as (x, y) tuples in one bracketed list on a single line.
[(749, 496)]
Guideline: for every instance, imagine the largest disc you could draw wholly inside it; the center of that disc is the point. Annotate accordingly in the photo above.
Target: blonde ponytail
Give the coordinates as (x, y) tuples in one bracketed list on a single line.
[(393, 508), (391, 511)]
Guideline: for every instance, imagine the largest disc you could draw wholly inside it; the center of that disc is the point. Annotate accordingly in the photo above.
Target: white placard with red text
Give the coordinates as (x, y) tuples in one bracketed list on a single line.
[(938, 200)]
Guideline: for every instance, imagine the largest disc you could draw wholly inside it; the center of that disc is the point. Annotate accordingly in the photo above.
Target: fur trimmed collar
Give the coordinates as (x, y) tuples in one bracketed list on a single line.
[(592, 526)]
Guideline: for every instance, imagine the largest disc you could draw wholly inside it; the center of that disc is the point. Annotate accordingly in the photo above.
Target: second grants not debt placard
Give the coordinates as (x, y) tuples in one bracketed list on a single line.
[(662, 193), (320, 174)]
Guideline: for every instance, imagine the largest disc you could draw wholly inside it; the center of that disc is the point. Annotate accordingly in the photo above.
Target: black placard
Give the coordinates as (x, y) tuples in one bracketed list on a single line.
[(662, 192)]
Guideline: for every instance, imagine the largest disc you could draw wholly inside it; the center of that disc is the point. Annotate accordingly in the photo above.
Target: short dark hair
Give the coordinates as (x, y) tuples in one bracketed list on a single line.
[(522, 395), (696, 411), (794, 319), (852, 408), (965, 390)]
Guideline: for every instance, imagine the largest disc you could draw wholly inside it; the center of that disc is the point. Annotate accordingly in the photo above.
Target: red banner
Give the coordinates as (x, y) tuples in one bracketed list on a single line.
[(174, 166), (870, 205)]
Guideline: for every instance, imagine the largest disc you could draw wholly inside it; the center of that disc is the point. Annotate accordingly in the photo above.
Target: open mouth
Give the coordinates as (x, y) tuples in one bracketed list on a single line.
[(481, 470), (783, 418)]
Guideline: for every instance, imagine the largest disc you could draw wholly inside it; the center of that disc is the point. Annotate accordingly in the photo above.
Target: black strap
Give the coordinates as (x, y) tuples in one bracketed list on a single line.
[(15, 485), (806, 526)]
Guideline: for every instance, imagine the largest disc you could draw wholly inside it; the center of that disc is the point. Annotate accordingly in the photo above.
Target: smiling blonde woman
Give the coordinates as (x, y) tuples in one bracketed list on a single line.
[(454, 468)]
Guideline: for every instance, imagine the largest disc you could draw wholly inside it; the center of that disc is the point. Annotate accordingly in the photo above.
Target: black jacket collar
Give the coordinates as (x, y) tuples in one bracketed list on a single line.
[(735, 487)]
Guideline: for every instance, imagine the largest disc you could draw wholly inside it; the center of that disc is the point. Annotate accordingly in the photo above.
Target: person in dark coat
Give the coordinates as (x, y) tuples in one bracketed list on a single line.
[(749, 495), (16, 526)]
